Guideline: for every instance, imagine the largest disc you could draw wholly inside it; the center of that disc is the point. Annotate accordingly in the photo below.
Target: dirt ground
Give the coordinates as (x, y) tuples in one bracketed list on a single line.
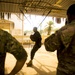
[(44, 63)]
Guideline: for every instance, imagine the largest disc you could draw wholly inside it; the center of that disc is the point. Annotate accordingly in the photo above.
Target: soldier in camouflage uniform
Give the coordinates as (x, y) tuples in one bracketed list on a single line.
[(9, 44), (63, 41)]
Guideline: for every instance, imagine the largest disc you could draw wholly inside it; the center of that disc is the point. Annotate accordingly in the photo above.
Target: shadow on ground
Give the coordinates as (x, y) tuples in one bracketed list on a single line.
[(42, 72)]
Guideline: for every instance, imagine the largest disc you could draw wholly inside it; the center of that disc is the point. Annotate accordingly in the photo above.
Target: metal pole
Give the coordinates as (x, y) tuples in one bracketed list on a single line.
[(22, 27)]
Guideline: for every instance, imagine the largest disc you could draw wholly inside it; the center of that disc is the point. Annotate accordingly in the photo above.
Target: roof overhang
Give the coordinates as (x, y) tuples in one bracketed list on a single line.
[(55, 8)]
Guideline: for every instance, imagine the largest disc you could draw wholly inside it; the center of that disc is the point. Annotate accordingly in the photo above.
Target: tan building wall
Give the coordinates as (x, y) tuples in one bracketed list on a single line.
[(7, 25)]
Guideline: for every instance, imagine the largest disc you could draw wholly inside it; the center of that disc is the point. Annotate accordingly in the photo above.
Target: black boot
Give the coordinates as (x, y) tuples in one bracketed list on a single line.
[(29, 64)]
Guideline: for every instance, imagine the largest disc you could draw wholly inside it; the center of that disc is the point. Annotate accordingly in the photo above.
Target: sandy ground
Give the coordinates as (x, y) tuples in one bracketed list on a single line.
[(44, 63)]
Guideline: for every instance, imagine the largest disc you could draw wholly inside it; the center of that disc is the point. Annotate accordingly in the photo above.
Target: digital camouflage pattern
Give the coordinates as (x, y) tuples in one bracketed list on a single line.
[(64, 42), (9, 44)]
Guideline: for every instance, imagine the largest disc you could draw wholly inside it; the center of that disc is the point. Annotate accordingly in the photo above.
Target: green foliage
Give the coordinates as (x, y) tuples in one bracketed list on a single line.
[(48, 27)]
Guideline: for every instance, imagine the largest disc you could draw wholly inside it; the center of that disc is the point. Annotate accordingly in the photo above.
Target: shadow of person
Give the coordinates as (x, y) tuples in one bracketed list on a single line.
[(43, 72)]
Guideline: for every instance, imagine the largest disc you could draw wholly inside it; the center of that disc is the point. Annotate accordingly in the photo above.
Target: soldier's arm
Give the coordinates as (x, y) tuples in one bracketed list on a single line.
[(21, 59), (18, 66), (52, 43), (61, 39), (17, 50)]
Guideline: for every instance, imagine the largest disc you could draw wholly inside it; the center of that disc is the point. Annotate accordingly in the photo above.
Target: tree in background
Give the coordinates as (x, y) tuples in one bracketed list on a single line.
[(48, 27)]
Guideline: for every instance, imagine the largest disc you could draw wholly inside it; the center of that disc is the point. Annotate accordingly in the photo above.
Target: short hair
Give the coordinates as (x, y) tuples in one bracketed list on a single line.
[(35, 28), (71, 10)]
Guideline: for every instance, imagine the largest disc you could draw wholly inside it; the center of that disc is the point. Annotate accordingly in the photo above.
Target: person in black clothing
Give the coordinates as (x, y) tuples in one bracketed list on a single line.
[(36, 37)]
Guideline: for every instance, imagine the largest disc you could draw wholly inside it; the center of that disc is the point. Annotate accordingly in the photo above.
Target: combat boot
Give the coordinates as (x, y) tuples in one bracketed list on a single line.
[(29, 64)]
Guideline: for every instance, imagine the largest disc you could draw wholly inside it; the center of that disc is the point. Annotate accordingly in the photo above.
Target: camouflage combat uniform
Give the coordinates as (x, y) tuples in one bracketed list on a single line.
[(64, 42), (11, 45)]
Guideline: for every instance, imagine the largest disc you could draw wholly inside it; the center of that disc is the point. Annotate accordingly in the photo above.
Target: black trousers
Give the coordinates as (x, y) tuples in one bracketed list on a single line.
[(33, 51)]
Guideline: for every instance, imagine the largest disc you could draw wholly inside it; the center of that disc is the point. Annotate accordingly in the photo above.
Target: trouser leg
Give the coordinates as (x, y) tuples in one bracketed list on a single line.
[(33, 51)]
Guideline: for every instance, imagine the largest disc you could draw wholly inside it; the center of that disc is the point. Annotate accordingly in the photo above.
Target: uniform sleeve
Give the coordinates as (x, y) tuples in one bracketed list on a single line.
[(61, 39), (52, 43), (15, 48), (67, 35)]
